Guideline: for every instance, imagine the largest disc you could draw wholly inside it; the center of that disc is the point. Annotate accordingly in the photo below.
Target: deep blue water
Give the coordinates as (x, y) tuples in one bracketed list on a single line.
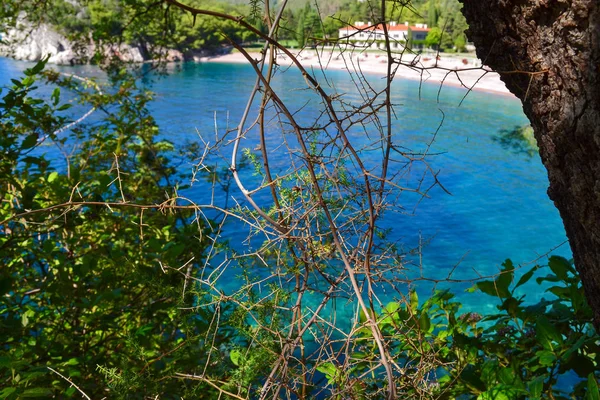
[(498, 208)]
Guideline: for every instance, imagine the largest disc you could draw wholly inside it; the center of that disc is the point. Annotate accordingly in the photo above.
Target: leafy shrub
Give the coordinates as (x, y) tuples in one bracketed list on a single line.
[(93, 290)]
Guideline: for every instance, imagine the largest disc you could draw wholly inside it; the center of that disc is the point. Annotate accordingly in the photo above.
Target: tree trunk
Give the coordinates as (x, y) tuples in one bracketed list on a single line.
[(548, 54)]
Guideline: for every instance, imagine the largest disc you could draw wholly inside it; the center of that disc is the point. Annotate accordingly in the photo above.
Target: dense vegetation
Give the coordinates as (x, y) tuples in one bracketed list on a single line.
[(77, 294), (106, 280), (444, 16), (98, 289), (108, 22), (104, 23)]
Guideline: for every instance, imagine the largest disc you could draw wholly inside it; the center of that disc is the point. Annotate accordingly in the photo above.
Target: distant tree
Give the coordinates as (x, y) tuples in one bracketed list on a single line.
[(287, 29), (452, 22), (308, 25), (432, 14), (300, 31), (460, 43), (433, 38), (548, 54)]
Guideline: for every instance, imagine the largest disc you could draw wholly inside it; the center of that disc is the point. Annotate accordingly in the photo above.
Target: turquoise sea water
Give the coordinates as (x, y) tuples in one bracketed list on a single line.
[(498, 207)]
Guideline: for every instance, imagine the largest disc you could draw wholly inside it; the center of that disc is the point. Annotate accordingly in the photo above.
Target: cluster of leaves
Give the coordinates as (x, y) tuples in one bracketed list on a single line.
[(205, 32), (545, 350), (150, 25), (519, 140), (95, 291)]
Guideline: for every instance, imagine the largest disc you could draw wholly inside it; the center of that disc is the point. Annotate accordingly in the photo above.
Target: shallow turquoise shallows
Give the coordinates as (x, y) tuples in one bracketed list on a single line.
[(498, 207)]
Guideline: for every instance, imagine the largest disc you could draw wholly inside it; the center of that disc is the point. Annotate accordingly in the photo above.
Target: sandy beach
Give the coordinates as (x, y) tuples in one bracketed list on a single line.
[(454, 71)]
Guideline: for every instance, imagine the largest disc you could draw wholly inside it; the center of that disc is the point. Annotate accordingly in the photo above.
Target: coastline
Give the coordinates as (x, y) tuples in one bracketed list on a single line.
[(450, 71)]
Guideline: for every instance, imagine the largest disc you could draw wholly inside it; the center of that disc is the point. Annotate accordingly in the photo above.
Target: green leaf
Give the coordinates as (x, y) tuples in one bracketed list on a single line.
[(488, 288), (471, 378), (55, 96), (535, 387), (526, 276), (52, 177), (331, 372), (489, 372), (362, 317), (37, 68), (505, 279), (29, 141), (391, 307), (37, 392), (173, 250), (560, 292), (592, 388), (494, 394), (560, 267), (502, 392), (327, 368), (573, 348), (25, 317), (389, 313), (424, 322), (547, 333), (72, 361), (414, 300), (235, 356), (546, 357), (28, 81), (511, 305), (493, 289), (7, 392), (508, 376)]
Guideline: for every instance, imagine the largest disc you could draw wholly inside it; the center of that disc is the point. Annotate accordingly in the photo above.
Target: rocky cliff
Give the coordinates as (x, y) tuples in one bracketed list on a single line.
[(32, 43)]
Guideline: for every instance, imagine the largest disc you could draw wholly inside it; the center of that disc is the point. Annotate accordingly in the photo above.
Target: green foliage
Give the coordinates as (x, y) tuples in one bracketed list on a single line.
[(524, 351), (309, 27), (433, 14), (519, 140), (460, 43), (302, 21), (453, 25), (154, 27), (434, 37), (93, 291), (150, 26), (205, 32)]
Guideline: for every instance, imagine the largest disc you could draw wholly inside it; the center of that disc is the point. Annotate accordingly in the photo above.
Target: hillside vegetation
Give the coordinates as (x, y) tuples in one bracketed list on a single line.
[(304, 22), (115, 284), (322, 19)]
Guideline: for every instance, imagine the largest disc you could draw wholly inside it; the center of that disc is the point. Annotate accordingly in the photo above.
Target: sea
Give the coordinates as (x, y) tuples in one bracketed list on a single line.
[(495, 204)]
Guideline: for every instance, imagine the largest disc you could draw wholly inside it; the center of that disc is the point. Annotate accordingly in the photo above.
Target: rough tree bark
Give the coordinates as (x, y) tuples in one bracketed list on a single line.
[(548, 54)]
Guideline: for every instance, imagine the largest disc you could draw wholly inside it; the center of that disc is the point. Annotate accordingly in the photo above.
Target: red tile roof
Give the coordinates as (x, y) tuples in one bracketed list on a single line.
[(398, 27)]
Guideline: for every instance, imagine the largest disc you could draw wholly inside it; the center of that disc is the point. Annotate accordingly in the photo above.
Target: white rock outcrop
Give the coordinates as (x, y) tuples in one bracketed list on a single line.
[(33, 43)]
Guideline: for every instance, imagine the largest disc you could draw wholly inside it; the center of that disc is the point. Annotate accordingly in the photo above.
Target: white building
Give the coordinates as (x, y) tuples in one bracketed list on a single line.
[(373, 36)]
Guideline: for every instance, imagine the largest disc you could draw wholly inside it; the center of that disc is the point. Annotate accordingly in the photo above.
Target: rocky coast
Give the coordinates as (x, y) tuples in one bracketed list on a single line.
[(32, 43)]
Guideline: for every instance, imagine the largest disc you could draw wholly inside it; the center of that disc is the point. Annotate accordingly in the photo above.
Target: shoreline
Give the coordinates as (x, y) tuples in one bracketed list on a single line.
[(450, 71)]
